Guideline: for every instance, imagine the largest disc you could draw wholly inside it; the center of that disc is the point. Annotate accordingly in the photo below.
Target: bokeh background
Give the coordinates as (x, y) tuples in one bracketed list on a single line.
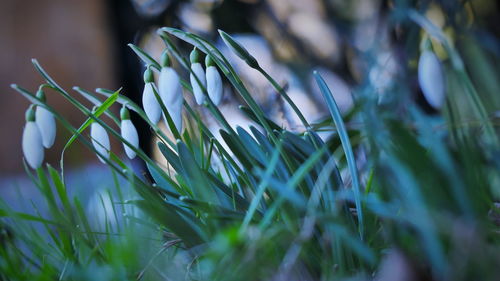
[(83, 43)]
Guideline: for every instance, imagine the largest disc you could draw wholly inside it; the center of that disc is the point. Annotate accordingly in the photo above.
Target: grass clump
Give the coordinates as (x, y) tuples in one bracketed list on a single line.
[(411, 194)]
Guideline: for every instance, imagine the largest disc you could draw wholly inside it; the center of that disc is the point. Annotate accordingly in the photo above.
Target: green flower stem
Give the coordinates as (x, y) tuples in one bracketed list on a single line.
[(287, 98)]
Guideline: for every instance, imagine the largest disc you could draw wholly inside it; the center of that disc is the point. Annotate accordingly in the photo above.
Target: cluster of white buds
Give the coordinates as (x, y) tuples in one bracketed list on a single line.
[(170, 90), (128, 132), (212, 80), (431, 79), (100, 139), (39, 132)]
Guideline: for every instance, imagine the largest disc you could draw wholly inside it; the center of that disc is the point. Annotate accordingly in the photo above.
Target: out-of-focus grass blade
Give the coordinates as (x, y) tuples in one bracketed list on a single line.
[(194, 176), (61, 189), (261, 188), (24, 216), (346, 145), (164, 213)]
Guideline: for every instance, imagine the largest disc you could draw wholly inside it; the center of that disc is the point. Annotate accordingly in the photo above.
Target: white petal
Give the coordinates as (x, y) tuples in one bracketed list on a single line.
[(175, 111), (100, 140), (150, 104), (197, 90), (47, 126), (32, 145), (169, 85), (431, 80), (129, 133), (214, 85), (170, 90)]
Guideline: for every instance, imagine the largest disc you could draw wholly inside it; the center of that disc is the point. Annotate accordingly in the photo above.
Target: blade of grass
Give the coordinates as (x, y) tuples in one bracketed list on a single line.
[(346, 145)]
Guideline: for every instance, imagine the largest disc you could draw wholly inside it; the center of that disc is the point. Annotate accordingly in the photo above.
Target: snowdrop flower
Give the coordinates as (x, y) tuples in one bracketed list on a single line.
[(149, 101), (45, 122), (100, 140), (128, 132), (430, 78), (32, 142), (214, 81), (199, 73), (170, 90)]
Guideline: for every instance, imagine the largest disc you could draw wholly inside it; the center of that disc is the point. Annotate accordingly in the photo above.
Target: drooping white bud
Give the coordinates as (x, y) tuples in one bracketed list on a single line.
[(45, 122), (100, 140), (169, 87), (47, 126), (150, 104), (197, 90), (431, 80), (214, 85), (32, 142), (129, 133)]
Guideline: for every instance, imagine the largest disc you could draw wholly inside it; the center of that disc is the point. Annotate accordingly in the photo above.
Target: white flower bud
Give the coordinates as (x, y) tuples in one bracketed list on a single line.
[(431, 80), (150, 104), (32, 145), (170, 90), (214, 85), (100, 140), (47, 126), (129, 133), (199, 73)]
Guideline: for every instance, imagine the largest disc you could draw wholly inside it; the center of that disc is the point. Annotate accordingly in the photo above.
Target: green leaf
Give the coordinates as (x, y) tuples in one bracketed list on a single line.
[(100, 110), (238, 50), (147, 59), (28, 217), (93, 99), (250, 114), (346, 145), (60, 188), (252, 146), (171, 157), (238, 150), (261, 188), (165, 213)]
